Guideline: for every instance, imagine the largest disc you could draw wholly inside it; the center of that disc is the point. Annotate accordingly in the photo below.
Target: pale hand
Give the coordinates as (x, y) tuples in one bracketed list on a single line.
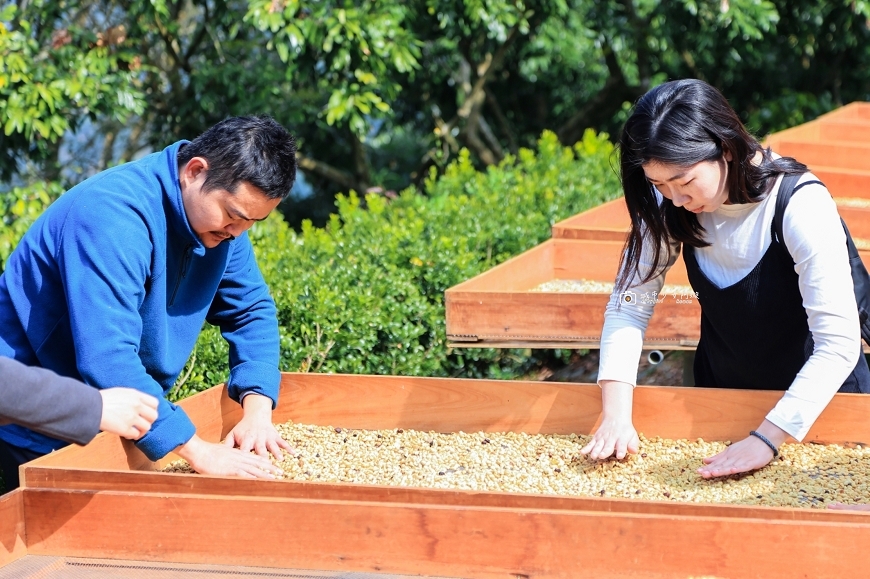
[(255, 430), (613, 436), (127, 412), (616, 435), (221, 460), (748, 454)]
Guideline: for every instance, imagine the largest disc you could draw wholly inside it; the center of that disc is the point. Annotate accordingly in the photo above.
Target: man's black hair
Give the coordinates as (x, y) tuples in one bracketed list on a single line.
[(251, 149)]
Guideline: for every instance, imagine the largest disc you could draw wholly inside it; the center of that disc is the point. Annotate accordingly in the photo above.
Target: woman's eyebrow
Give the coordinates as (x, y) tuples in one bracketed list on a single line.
[(674, 178)]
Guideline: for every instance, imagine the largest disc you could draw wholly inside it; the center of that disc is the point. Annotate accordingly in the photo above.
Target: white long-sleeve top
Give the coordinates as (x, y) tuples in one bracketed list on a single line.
[(739, 235)]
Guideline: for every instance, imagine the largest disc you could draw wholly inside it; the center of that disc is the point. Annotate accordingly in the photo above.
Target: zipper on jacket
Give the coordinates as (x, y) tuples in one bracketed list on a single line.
[(185, 262)]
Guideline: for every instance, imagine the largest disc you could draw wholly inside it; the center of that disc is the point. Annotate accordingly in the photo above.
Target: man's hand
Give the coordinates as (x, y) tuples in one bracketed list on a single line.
[(219, 459), (127, 412), (255, 430), (751, 453)]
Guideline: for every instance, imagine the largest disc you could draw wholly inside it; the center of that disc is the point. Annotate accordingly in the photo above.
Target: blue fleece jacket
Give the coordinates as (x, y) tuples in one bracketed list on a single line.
[(111, 286)]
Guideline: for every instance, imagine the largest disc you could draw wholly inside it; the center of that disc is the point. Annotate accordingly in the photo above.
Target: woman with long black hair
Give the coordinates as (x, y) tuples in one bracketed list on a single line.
[(777, 314)]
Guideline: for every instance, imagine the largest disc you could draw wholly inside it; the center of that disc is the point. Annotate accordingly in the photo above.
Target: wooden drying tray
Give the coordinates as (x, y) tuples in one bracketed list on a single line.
[(825, 154), (828, 128), (607, 222), (12, 534), (499, 308), (846, 173), (103, 501), (844, 183), (857, 110)]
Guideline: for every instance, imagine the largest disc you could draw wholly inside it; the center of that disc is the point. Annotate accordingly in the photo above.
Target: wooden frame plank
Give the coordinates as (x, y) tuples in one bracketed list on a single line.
[(844, 130), (853, 110), (178, 484), (851, 183), (827, 129), (610, 221), (196, 519), (845, 155), (499, 305), (473, 542), (442, 405), (607, 222), (858, 221), (12, 536)]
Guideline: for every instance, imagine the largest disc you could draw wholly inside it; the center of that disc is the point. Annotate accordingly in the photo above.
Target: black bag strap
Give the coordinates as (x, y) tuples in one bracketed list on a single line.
[(860, 276), (786, 190)]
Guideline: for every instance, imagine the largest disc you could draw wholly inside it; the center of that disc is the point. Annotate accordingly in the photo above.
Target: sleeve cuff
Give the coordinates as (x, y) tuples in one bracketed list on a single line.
[(792, 427), (173, 429), (620, 351), (254, 378)]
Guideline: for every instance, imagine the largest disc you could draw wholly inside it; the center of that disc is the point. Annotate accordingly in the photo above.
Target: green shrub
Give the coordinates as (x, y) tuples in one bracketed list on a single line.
[(364, 295), (20, 206)]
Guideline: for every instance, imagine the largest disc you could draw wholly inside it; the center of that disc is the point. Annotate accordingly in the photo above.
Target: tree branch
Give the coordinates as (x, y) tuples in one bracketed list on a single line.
[(361, 170), (490, 138), (470, 111), (198, 38), (321, 169), (108, 146), (639, 27), (604, 104), (133, 144), (503, 124), (487, 155), (489, 67)]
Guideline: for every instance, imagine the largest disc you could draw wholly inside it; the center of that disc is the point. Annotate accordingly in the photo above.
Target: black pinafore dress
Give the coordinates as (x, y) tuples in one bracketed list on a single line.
[(754, 333)]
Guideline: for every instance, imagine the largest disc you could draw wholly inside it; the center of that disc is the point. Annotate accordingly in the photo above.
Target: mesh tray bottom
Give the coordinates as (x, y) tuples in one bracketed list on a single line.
[(41, 567)]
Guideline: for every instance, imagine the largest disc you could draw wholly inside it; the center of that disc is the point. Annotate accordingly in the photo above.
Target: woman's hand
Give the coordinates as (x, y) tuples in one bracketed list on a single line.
[(751, 453), (616, 434), (613, 436)]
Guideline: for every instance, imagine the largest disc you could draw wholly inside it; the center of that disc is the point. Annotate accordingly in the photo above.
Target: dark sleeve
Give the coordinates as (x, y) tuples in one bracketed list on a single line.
[(50, 404)]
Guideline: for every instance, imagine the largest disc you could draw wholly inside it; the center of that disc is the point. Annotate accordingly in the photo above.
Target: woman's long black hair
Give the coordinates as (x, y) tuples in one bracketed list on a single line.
[(684, 122)]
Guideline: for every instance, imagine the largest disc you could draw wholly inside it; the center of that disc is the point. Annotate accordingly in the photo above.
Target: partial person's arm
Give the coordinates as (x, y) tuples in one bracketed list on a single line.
[(246, 315), (30, 398), (621, 346), (814, 236)]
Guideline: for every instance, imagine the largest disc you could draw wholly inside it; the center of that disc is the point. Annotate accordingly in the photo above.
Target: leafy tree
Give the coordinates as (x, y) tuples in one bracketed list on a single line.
[(57, 69), (379, 91)]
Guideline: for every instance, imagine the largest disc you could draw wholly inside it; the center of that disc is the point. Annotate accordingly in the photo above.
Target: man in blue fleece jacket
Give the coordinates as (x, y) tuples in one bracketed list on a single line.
[(112, 284)]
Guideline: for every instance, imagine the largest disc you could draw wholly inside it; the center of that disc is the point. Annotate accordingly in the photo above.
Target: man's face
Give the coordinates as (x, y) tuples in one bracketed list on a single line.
[(218, 215)]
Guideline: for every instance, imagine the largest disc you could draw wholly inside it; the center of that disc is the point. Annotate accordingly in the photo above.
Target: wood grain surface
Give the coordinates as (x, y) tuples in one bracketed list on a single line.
[(12, 537), (472, 542), (499, 304)]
